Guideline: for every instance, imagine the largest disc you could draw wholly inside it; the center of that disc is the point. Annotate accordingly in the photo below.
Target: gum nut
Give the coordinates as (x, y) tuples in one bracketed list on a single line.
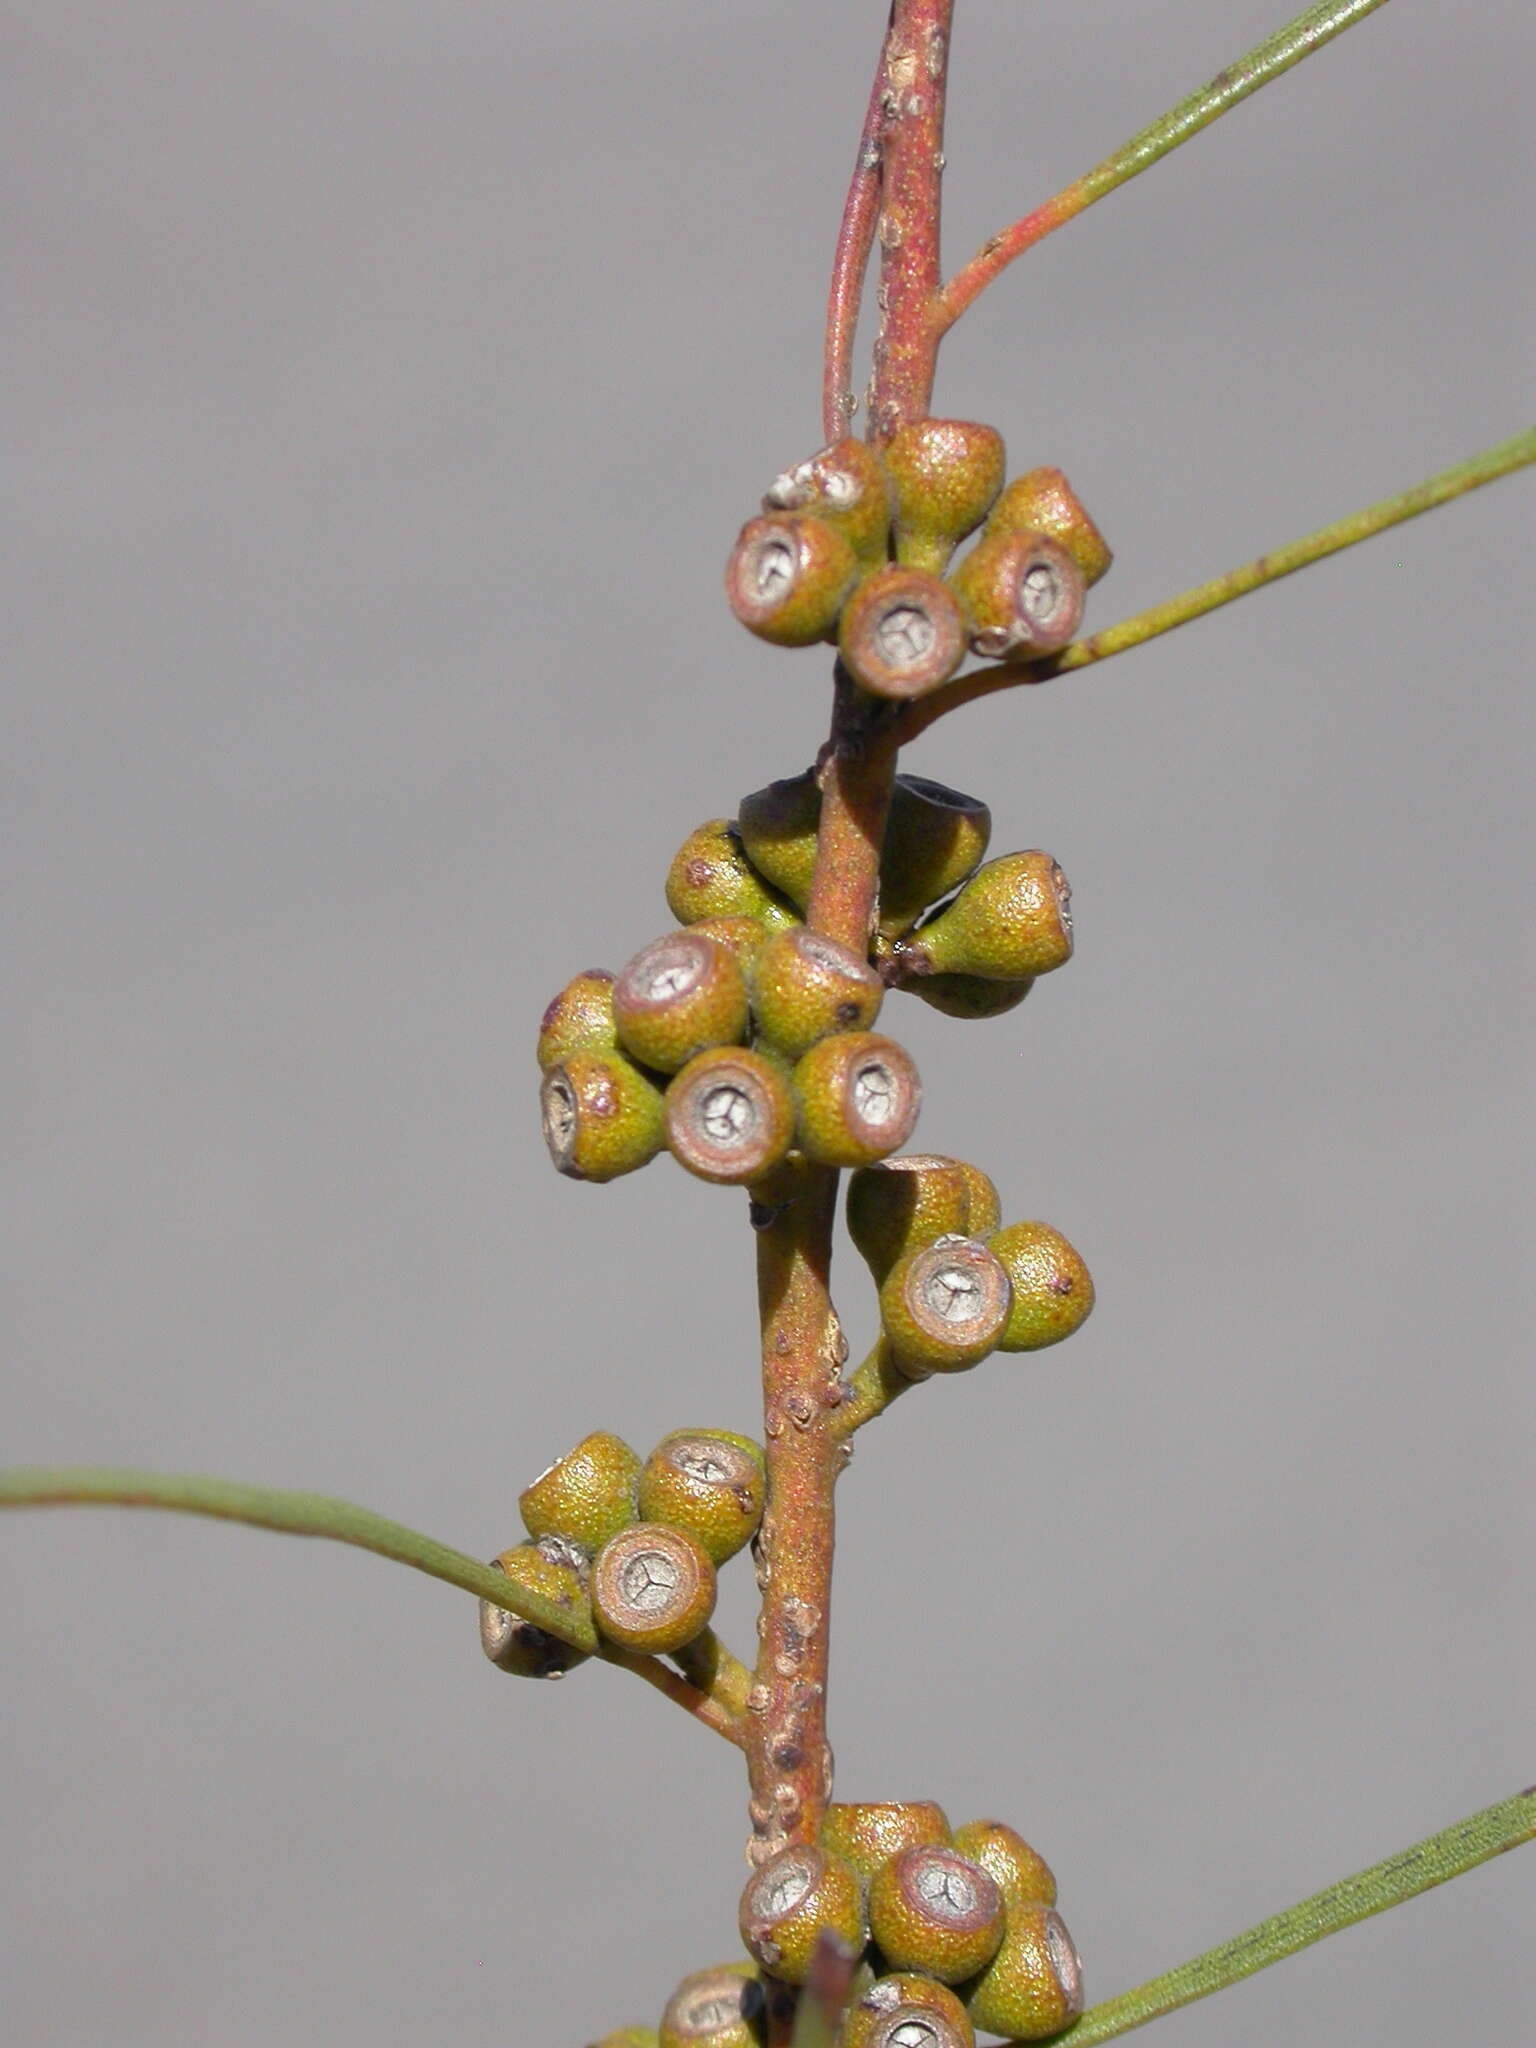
[(710, 876), (901, 632), (898, 1206), (790, 1899), (787, 577), (522, 1647), (679, 995), (968, 996), (629, 2037), (945, 1307), (1052, 1289), (1033, 1987), (1020, 595), (934, 838), (778, 833), (845, 484), (708, 1482), (718, 2008), (945, 475), (858, 1096), (653, 1588), (1011, 921), (869, 1834), (601, 1115), (931, 1909), (730, 1116), (805, 986), (1019, 1872), (742, 937), (588, 1495), (905, 2010), (579, 1019), (1042, 501)]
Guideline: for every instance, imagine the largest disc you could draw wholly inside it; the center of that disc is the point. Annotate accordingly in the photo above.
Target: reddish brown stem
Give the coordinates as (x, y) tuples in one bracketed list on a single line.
[(850, 261)]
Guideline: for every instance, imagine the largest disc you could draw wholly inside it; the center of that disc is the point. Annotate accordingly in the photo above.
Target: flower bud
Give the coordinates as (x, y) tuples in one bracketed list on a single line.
[(1011, 921), (742, 937), (930, 1909), (944, 475), (579, 1019), (730, 1115), (778, 833), (902, 1205), (934, 838), (719, 2008), (905, 2010), (901, 632), (555, 1569), (805, 986), (652, 1588), (1052, 1290), (788, 576), (847, 486), (1042, 501), (945, 1307), (710, 876), (869, 1834), (602, 1116), (678, 996), (858, 1096), (968, 995), (1019, 1872), (1021, 596), (709, 1483), (790, 1899), (587, 1496), (1033, 1986)]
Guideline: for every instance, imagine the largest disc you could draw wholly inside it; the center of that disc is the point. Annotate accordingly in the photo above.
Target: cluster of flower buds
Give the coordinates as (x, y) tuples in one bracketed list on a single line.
[(956, 1932), (955, 1284), (629, 1548), (854, 545)]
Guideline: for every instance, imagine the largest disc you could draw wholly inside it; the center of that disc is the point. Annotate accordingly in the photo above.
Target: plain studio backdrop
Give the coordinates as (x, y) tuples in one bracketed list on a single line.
[(388, 383)]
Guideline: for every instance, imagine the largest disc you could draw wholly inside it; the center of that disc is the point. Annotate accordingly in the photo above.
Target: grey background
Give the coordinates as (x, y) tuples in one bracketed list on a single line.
[(387, 384)]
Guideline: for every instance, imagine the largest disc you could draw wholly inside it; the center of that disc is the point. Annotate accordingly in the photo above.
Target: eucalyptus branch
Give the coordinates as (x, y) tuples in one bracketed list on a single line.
[(850, 263), (317, 1514), (1310, 30), (1516, 453), (1441, 1857)]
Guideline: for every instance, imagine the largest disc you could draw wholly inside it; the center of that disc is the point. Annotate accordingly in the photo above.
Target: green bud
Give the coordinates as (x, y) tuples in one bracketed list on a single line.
[(588, 1495), (789, 1902), (1020, 594), (1018, 1871), (847, 486), (805, 986), (718, 2008), (901, 632), (1052, 1289), (710, 876), (901, 1205), (1042, 501), (869, 1834), (1011, 921), (602, 1116), (708, 1482), (653, 1588), (556, 1569), (678, 996), (730, 1115), (579, 1019), (933, 1910), (944, 475), (944, 1308), (968, 995), (858, 1096), (778, 832), (934, 838), (629, 2037), (742, 937), (1033, 1986), (788, 576), (905, 2010)]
